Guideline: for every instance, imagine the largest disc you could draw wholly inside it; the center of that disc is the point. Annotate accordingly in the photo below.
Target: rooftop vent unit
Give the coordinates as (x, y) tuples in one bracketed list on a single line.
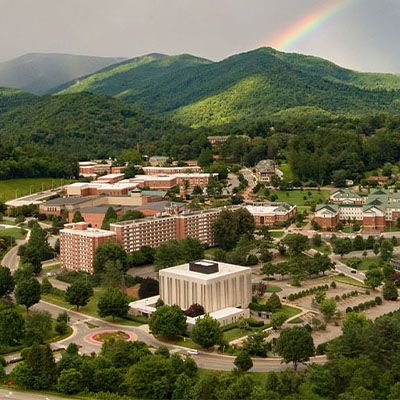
[(203, 267)]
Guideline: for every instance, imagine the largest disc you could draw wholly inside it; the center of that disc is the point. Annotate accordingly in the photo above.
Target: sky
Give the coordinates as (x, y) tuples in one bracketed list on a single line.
[(363, 36)]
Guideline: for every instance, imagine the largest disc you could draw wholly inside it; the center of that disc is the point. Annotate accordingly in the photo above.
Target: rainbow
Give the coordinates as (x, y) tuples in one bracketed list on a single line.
[(309, 23)]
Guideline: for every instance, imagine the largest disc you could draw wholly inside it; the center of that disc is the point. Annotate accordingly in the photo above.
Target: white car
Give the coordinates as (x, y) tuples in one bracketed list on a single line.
[(193, 352)]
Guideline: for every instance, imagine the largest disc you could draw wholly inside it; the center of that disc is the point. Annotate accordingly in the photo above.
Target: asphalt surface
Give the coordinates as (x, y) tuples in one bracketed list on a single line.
[(10, 394)]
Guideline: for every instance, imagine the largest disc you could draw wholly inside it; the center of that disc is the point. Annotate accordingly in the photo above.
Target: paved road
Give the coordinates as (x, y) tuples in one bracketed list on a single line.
[(234, 182), (248, 176), (10, 394)]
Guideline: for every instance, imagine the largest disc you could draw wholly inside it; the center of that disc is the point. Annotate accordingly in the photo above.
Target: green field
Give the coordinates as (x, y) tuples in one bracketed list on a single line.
[(16, 233), (276, 234), (349, 281), (273, 289), (365, 263), (12, 188), (287, 172), (324, 248), (297, 196), (89, 309)]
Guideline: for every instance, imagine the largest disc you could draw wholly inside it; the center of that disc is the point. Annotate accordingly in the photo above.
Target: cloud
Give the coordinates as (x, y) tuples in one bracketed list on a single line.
[(362, 37)]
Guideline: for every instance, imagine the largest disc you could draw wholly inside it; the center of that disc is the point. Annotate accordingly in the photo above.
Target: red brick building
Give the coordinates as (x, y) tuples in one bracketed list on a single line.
[(78, 244)]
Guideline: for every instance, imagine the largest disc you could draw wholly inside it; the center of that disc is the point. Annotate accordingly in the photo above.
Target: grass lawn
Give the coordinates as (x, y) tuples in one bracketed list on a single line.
[(16, 233), (297, 196), (287, 171), (23, 186), (273, 289), (7, 222), (388, 229), (186, 342), (276, 234), (50, 267), (349, 281), (365, 263), (290, 311), (349, 229), (324, 248), (296, 321), (89, 309)]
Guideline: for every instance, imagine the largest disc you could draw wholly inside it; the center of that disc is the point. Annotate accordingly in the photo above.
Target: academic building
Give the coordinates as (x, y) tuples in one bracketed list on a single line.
[(78, 244), (374, 212)]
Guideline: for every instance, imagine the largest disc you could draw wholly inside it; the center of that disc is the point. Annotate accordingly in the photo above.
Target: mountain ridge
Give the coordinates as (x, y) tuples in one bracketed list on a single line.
[(38, 72), (200, 92)]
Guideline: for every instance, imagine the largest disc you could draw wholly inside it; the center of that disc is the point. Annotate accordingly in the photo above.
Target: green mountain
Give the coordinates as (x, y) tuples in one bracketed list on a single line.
[(259, 84), (85, 125), (37, 72), (10, 98)]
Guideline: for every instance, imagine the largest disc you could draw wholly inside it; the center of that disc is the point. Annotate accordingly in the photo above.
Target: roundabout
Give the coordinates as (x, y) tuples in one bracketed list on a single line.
[(99, 337)]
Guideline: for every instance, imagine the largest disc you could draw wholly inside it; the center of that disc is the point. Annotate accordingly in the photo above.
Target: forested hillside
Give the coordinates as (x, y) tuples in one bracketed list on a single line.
[(260, 84)]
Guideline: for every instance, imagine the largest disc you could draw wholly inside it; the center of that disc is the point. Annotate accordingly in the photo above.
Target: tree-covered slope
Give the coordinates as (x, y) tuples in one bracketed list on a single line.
[(10, 98), (137, 73), (84, 125), (37, 72), (252, 85)]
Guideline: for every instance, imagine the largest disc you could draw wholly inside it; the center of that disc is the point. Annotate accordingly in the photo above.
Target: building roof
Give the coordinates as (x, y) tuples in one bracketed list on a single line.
[(266, 165), (331, 207), (159, 206), (89, 232), (268, 208), (67, 200), (224, 269), (101, 209), (154, 193)]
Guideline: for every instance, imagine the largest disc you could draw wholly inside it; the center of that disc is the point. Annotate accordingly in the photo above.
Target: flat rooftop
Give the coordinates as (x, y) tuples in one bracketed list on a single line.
[(89, 232), (68, 200), (224, 269)]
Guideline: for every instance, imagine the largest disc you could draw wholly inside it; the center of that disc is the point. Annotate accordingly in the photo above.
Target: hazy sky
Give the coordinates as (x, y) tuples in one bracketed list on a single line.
[(365, 36)]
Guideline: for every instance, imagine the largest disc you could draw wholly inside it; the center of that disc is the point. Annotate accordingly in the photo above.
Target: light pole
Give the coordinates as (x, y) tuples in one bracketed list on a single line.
[(30, 189)]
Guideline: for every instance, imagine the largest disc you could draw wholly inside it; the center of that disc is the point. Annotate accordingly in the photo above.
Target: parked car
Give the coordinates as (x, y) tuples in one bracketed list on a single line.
[(353, 271), (193, 352)]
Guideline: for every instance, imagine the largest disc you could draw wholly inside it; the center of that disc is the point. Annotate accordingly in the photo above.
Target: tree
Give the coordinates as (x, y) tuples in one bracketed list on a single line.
[(39, 321), (27, 292), (46, 286), (297, 243), (390, 291), (320, 297), (168, 321), (373, 278), (69, 381), (265, 254), (339, 178), (151, 378), (7, 283), (11, 327), (205, 158), (328, 308), (386, 250), (274, 303), (194, 310), (355, 322), (243, 361), (79, 293), (256, 344), (197, 191), (278, 319), (231, 225), (342, 246), (110, 215), (77, 217), (40, 359), (109, 251), (295, 345), (168, 255), (206, 332), (149, 288), (113, 302), (112, 275), (316, 240)]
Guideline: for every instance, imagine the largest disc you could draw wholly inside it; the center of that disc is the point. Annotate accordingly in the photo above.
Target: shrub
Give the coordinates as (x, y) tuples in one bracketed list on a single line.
[(2, 361), (25, 352), (61, 327), (378, 300), (349, 310), (356, 309), (333, 285), (337, 298), (254, 323)]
